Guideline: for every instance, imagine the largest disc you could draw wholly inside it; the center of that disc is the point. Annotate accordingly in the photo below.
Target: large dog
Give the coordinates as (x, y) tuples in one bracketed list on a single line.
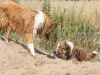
[(68, 49), (25, 21)]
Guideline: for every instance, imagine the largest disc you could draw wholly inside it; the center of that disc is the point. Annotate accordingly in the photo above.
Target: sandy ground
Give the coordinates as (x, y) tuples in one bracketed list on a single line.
[(15, 59)]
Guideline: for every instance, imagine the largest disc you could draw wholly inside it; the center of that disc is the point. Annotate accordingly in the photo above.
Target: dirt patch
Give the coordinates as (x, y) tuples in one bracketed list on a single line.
[(15, 59)]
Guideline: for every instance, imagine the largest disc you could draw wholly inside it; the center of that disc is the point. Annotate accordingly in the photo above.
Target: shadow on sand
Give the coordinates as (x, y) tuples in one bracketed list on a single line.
[(25, 47)]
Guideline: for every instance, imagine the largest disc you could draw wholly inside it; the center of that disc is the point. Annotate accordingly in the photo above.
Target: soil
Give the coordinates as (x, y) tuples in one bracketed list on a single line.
[(15, 59)]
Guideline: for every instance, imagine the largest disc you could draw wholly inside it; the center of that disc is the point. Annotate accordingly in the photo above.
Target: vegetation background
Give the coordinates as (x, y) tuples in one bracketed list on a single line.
[(77, 21)]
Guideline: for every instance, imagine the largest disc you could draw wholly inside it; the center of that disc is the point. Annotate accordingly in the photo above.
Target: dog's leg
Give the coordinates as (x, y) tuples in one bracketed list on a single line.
[(7, 34), (73, 58), (29, 42)]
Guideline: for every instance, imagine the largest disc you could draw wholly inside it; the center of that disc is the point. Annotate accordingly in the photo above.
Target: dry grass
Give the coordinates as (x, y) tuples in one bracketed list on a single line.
[(89, 10)]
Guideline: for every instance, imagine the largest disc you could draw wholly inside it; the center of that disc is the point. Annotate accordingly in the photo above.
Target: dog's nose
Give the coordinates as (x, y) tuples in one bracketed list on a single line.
[(54, 56)]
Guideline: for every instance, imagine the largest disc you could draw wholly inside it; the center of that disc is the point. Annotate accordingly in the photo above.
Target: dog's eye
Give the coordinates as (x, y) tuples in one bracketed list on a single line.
[(67, 48), (62, 48)]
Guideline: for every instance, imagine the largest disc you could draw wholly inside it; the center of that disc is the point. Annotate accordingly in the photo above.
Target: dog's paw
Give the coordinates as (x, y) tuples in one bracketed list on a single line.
[(32, 53), (6, 40)]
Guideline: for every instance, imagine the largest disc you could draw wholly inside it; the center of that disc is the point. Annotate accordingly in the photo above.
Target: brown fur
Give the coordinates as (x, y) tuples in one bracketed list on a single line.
[(22, 20), (77, 53), (16, 17), (4, 21)]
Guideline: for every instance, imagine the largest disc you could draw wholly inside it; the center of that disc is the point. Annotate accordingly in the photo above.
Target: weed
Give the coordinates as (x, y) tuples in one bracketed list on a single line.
[(46, 6)]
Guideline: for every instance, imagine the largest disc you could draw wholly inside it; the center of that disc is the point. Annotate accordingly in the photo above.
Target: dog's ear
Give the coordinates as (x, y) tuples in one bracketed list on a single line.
[(68, 48), (50, 27), (47, 29), (70, 45)]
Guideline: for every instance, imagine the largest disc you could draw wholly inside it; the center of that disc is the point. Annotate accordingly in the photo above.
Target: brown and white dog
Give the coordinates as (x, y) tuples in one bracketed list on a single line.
[(25, 21), (68, 49)]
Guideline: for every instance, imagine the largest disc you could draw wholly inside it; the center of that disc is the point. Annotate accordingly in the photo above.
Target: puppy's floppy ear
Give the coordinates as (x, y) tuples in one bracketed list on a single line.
[(68, 48)]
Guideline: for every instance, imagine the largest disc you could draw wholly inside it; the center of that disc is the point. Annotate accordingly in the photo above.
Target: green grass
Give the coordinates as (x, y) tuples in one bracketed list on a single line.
[(71, 25), (81, 32)]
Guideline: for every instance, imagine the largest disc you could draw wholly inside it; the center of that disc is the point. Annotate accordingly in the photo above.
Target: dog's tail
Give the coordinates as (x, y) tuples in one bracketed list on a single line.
[(92, 55)]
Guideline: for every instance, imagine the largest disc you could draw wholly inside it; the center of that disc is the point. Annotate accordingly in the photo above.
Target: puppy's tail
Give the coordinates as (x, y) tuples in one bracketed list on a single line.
[(92, 55)]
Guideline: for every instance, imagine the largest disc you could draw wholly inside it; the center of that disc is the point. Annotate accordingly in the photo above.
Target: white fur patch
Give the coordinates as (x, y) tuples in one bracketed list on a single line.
[(39, 18), (57, 48), (31, 48), (95, 52), (71, 45)]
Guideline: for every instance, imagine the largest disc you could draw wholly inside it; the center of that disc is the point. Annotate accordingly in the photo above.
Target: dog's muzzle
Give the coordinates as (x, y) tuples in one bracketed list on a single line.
[(54, 56), (62, 56)]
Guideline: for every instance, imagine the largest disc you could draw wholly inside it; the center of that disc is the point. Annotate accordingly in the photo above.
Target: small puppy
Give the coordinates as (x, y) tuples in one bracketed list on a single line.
[(68, 49)]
